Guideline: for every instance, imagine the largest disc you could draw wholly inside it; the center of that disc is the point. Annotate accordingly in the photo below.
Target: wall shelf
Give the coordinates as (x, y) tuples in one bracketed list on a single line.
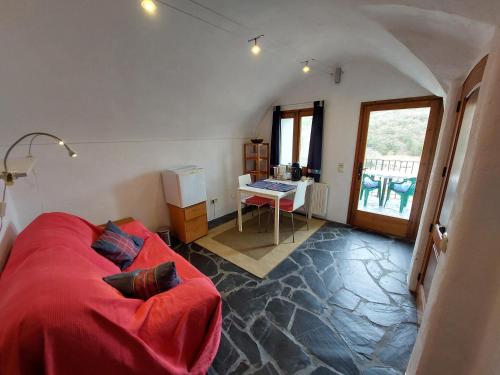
[(256, 160)]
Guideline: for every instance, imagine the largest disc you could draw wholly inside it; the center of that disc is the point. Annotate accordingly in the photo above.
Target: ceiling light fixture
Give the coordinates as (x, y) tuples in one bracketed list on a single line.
[(255, 48), (149, 6), (306, 68)]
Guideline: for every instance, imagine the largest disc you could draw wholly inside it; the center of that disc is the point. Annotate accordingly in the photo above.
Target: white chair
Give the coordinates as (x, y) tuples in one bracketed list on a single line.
[(290, 205), (252, 201)]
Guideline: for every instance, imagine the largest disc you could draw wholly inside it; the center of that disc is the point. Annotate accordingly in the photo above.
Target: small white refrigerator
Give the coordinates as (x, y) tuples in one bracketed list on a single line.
[(184, 186)]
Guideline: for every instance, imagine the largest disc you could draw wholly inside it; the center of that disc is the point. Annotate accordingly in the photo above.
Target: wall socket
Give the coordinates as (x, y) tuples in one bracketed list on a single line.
[(340, 167), (214, 200)]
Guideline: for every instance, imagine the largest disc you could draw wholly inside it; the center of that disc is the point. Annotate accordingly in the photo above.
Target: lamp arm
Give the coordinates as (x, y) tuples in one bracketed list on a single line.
[(31, 143), (34, 134)]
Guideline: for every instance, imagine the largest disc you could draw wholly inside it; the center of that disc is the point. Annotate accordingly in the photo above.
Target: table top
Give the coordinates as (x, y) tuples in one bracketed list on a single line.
[(272, 193), (388, 174), (310, 181)]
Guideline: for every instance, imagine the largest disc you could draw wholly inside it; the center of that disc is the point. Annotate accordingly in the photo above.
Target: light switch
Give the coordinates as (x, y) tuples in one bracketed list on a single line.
[(340, 167)]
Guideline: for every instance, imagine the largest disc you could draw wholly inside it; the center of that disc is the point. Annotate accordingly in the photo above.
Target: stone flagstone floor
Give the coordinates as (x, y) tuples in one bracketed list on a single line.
[(337, 305)]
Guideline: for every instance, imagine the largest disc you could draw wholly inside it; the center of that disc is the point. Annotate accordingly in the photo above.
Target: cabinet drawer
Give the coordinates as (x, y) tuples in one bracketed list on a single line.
[(196, 228), (195, 211)]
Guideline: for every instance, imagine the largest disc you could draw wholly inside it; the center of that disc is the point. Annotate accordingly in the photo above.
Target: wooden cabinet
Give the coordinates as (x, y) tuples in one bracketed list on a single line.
[(189, 223), (256, 160)]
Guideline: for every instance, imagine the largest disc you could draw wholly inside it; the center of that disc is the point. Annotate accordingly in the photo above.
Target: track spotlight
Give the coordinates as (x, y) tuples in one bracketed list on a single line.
[(306, 68), (149, 6), (255, 48)]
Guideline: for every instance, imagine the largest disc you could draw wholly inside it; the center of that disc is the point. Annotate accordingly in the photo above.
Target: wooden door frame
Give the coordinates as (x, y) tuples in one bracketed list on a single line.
[(406, 229), (470, 85)]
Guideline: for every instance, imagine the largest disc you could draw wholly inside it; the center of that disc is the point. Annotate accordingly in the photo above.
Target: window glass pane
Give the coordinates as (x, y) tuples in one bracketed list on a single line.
[(394, 146), (286, 141), (305, 137)]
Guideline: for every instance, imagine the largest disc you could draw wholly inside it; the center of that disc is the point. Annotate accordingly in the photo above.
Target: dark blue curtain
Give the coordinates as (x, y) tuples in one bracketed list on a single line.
[(275, 137), (316, 143)]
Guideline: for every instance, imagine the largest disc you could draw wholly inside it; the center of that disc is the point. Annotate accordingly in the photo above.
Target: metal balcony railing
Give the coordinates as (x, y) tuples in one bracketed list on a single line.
[(409, 167)]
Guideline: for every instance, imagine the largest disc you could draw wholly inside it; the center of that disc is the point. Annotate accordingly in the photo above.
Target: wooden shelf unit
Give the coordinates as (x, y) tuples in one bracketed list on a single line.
[(256, 160)]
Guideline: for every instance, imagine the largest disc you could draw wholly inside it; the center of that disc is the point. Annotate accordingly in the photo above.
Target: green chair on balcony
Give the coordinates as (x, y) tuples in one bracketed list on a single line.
[(405, 189), (368, 183)]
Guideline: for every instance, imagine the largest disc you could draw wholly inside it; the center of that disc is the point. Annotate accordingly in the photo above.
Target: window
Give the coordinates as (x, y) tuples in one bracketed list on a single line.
[(286, 141), (295, 134), (305, 138)]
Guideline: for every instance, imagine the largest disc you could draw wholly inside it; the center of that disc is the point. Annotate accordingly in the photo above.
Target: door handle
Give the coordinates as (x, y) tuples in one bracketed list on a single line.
[(360, 170)]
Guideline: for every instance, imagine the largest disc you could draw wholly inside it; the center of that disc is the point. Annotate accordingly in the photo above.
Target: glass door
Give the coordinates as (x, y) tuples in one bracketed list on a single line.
[(396, 142)]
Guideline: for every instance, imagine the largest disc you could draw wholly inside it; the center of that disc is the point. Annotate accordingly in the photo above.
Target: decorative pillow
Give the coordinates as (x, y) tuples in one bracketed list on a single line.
[(116, 245), (145, 283)]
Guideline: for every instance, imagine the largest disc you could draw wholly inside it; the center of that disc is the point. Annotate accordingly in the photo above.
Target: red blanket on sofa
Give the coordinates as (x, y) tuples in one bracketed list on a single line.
[(57, 315)]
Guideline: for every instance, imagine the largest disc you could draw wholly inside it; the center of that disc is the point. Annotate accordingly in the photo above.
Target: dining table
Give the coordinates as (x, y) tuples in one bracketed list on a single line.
[(386, 176), (276, 196)]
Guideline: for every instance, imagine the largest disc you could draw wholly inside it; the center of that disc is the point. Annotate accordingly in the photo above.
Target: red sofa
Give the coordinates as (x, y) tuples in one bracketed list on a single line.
[(57, 315)]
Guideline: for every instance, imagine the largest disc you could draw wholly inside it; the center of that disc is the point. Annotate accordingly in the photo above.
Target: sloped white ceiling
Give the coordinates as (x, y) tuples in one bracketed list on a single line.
[(97, 70), (448, 44)]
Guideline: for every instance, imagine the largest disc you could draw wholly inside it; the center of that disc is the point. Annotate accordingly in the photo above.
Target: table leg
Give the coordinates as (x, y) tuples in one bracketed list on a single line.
[(384, 189), (240, 221), (309, 202), (276, 221), (387, 180)]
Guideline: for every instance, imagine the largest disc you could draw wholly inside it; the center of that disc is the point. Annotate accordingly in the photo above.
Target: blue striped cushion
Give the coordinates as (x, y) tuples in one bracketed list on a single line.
[(116, 245)]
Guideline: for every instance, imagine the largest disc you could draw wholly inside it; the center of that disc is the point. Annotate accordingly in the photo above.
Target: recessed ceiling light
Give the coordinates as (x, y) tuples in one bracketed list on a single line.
[(149, 6)]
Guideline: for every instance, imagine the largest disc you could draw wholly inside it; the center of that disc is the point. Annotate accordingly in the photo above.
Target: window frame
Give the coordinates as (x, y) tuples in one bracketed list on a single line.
[(296, 114)]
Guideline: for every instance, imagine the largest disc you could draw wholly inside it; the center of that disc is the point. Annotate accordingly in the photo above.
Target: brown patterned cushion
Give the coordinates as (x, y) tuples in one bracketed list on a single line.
[(145, 283)]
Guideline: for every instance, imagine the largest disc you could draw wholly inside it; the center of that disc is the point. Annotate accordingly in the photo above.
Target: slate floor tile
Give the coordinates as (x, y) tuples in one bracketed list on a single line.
[(289, 356), (399, 345), (344, 298), (384, 314), (246, 345), (268, 369), (323, 342), (359, 333), (338, 305), (393, 285), (280, 311), (307, 301), (358, 281)]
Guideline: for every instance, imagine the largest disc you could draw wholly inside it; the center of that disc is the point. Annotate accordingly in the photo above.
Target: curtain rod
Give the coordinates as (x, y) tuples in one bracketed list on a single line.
[(309, 102)]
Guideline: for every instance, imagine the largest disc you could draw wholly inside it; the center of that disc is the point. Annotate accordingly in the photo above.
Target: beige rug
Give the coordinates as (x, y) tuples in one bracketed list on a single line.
[(254, 250)]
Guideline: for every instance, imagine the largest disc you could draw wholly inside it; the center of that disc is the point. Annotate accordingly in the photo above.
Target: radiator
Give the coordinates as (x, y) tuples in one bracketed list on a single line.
[(319, 199)]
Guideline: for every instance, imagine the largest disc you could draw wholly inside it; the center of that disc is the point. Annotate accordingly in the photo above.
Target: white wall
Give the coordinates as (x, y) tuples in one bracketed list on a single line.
[(9, 229), (366, 80), (460, 325), (113, 179), (118, 179)]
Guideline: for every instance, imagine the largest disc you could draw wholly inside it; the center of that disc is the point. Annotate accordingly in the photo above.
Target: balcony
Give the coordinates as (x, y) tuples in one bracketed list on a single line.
[(395, 173)]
